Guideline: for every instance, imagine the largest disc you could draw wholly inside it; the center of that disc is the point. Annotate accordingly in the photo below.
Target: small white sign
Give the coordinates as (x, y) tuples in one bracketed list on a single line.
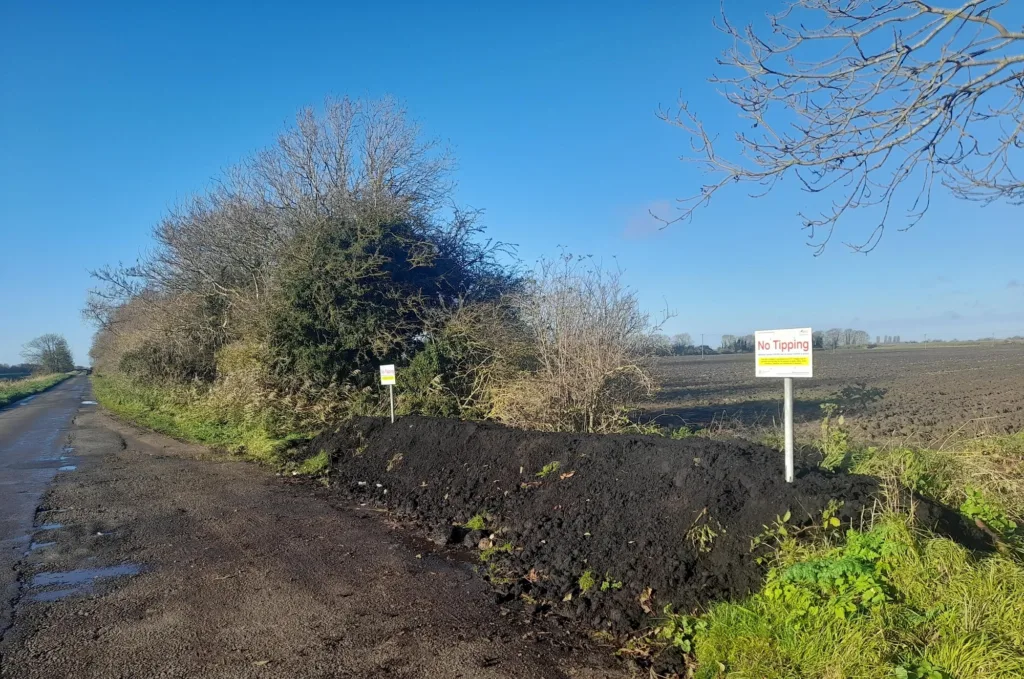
[(387, 374), (784, 353)]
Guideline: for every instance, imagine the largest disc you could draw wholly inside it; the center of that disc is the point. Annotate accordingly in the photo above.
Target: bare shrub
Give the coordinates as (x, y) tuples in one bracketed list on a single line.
[(591, 342)]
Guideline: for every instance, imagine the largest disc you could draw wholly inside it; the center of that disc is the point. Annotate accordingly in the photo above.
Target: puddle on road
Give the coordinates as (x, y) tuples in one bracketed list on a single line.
[(40, 545), (84, 576), (51, 526), (89, 403), (67, 468), (54, 594), (78, 581)]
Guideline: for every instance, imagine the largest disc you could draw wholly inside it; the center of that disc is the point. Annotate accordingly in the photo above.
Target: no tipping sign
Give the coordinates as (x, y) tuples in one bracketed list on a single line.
[(784, 353)]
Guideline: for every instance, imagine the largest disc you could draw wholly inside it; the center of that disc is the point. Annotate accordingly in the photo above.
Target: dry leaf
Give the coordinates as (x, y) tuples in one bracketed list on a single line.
[(533, 575), (646, 599), (567, 475), (567, 597)]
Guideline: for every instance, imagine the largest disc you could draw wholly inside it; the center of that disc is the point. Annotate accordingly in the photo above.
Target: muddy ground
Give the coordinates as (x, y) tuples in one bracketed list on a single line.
[(923, 395), (157, 559)]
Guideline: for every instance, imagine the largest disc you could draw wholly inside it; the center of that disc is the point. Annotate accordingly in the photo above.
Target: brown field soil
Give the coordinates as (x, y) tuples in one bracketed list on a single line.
[(921, 395), (575, 525)]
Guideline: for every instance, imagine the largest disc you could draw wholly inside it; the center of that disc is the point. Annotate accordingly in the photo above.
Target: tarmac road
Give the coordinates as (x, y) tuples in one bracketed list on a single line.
[(154, 558), (32, 435)]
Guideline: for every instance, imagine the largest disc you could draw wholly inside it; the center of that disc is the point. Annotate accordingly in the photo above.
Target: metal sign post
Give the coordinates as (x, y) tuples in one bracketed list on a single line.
[(787, 388), (387, 376), (786, 354)]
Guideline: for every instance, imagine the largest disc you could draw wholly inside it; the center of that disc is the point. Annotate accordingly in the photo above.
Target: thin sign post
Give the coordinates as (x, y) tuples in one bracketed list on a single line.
[(786, 354), (387, 376)]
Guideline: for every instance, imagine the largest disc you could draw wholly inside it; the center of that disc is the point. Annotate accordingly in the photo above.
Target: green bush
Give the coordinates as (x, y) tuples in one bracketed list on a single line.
[(354, 292), (426, 383)]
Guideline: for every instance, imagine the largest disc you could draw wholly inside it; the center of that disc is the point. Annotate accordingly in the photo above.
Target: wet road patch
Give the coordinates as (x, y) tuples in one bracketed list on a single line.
[(78, 581)]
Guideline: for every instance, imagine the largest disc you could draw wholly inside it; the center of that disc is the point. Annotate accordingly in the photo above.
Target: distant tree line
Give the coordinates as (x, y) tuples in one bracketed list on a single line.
[(17, 370), (680, 344), (733, 344), (834, 338)]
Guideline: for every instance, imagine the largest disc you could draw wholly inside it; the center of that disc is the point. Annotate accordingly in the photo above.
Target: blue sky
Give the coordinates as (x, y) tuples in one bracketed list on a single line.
[(111, 112)]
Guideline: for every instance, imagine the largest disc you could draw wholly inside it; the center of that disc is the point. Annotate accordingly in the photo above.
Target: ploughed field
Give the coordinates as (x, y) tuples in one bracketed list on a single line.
[(914, 394)]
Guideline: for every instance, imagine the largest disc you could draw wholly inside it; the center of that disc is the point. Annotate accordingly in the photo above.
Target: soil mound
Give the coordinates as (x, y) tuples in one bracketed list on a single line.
[(587, 524)]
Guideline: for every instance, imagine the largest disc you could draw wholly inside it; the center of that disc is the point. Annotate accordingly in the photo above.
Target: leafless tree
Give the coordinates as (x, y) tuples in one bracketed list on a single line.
[(833, 337), (870, 103), (682, 340), (50, 353)]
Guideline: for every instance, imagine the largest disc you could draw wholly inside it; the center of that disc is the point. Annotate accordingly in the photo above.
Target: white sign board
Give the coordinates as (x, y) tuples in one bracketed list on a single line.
[(387, 374), (784, 353)]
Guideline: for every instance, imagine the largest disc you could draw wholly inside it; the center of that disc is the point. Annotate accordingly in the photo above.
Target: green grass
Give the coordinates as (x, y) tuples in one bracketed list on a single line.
[(477, 522), (12, 391), (317, 465), (890, 600), (188, 415), (885, 601)]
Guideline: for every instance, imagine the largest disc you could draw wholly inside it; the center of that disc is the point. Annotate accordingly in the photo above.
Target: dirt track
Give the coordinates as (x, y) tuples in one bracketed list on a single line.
[(244, 575)]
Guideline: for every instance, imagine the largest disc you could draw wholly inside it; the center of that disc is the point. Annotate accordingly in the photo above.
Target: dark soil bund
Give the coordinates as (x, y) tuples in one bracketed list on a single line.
[(635, 512)]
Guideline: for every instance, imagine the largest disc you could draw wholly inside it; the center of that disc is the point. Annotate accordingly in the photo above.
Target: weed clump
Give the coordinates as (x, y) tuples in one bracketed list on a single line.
[(549, 469), (587, 581), (835, 437)]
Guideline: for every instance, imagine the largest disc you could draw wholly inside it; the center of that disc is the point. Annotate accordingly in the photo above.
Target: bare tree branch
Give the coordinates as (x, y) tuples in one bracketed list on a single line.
[(869, 102)]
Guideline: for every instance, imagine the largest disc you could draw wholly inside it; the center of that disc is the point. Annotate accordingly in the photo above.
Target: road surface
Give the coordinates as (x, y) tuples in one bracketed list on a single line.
[(154, 558), (32, 438)]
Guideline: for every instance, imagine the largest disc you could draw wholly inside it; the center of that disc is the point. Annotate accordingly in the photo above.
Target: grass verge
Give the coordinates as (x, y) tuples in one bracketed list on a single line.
[(188, 414), (16, 390), (889, 601)]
